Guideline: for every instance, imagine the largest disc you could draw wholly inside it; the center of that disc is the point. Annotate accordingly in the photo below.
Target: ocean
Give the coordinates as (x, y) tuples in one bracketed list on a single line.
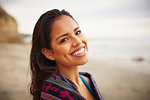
[(120, 48)]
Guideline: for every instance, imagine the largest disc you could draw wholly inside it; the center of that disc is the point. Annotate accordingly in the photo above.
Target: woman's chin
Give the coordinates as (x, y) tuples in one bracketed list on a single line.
[(85, 61)]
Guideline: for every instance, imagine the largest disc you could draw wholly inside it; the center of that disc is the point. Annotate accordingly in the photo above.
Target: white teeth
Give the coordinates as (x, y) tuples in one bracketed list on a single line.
[(80, 51)]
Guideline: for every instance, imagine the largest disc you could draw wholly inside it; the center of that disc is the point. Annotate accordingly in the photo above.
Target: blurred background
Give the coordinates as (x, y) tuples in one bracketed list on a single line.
[(118, 33)]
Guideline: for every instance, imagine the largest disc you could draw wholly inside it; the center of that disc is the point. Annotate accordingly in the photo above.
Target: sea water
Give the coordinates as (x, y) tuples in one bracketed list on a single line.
[(128, 53), (120, 48)]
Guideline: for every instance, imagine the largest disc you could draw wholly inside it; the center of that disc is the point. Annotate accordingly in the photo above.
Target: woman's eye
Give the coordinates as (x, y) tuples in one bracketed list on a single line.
[(78, 32), (63, 40)]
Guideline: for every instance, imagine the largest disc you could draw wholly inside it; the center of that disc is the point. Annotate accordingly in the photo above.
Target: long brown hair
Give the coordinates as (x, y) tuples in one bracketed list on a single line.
[(41, 67)]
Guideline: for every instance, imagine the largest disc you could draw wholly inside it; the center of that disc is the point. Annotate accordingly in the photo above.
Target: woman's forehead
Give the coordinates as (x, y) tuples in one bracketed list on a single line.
[(63, 24)]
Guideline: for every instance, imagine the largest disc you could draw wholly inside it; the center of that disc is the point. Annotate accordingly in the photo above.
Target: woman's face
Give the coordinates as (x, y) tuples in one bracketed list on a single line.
[(69, 45)]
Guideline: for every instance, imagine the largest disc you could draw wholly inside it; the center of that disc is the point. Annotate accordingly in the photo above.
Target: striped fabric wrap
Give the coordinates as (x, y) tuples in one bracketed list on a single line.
[(58, 87)]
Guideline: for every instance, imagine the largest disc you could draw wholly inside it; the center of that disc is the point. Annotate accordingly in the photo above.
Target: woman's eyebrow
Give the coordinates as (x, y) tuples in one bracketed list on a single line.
[(62, 36), (76, 28), (66, 33)]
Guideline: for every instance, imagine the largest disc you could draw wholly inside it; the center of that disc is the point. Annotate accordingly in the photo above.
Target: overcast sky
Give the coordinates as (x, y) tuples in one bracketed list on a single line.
[(97, 18)]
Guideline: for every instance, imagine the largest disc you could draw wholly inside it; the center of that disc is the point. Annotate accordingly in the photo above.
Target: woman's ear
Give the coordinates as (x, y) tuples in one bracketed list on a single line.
[(47, 53)]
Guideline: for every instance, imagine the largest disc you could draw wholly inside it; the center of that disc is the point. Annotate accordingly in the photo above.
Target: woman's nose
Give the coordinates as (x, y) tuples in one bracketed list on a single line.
[(76, 41)]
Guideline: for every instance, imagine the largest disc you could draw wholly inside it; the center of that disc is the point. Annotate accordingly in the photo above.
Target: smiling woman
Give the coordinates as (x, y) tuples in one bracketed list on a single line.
[(58, 48)]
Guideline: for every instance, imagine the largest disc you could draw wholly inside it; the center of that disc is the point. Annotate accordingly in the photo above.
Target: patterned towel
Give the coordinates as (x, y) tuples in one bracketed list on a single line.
[(58, 87)]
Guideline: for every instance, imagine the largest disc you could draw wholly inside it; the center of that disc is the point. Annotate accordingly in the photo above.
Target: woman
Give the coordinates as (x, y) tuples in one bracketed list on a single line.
[(58, 48)]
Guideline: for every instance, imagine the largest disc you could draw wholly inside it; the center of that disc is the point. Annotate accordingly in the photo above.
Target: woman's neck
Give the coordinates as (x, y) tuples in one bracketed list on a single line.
[(71, 73)]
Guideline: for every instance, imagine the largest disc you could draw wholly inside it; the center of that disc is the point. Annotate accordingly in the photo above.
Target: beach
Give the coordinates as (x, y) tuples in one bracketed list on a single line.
[(117, 79), (118, 35)]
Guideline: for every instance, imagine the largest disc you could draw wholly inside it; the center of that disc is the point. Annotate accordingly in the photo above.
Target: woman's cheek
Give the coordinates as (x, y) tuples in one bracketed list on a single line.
[(62, 50)]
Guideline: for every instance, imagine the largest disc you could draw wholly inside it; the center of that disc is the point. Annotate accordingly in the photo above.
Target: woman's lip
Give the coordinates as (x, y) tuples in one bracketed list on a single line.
[(77, 50)]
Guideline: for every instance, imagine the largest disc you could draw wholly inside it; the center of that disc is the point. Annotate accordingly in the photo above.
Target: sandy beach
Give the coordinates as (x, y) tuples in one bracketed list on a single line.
[(116, 80)]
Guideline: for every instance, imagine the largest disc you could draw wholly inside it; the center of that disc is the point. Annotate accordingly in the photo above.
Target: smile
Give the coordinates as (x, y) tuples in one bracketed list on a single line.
[(80, 52)]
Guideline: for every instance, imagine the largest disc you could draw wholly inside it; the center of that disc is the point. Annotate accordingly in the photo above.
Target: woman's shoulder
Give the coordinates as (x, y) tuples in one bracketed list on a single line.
[(87, 76), (53, 80), (56, 88), (53, 88), (90, 80)]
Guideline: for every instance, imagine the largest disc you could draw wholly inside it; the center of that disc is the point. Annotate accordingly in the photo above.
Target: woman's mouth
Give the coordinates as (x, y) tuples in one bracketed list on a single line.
[(79, 52)]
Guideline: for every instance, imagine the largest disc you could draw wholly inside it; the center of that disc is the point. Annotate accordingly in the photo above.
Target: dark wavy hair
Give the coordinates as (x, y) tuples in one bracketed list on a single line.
[(40, 66)]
